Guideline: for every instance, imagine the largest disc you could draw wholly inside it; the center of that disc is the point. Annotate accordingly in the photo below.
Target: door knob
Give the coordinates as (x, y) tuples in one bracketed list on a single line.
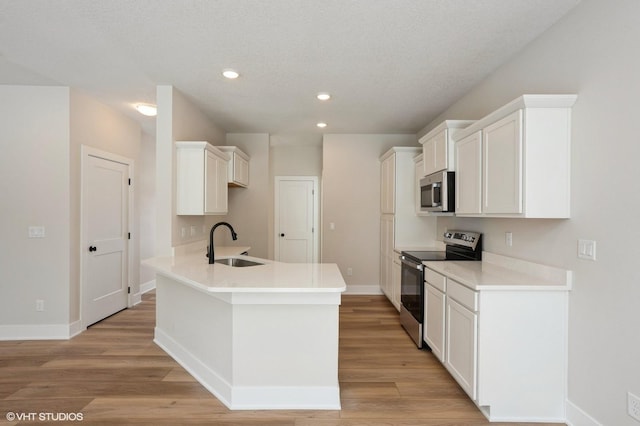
[(93, 248), (282, 235)]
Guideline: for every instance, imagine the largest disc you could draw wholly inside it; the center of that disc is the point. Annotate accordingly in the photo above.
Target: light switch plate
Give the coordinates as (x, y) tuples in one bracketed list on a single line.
[(587, 249)]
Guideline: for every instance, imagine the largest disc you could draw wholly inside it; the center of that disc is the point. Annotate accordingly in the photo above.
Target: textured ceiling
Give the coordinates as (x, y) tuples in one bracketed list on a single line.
[(390, 65)]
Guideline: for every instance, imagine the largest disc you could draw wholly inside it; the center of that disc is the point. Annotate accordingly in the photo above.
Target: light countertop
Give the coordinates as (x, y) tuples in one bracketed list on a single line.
[(271, 277), (497, 272)]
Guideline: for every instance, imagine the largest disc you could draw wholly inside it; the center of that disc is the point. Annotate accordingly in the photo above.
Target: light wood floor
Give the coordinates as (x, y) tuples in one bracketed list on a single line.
[(114, 374)]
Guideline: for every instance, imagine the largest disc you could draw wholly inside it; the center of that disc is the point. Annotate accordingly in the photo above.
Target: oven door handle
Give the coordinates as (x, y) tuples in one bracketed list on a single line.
[(418, 266)]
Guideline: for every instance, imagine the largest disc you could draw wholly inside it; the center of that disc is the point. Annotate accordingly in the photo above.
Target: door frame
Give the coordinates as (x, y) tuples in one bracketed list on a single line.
[(86, 152), (316, 214)]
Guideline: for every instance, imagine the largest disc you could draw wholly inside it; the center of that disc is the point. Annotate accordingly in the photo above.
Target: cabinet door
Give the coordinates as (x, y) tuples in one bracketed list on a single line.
[(502, 165), (469, 175), (440, 152), (428, 154), (435, 154), (240, 170), (386, 255), (388, 185), (397, 276), (215, 190), (461, 349), (434, 331)]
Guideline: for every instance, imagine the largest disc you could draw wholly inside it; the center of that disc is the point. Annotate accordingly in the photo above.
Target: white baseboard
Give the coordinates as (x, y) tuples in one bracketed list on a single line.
[(39, 331), (365, 290), (76, 328), (148, 286), (250, 397), (208, 378), (578, 417), (135, 299)]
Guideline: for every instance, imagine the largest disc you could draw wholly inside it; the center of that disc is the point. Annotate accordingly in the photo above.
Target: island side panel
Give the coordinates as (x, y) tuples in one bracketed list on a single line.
[(523, 355), (286, 355), (196, 330)]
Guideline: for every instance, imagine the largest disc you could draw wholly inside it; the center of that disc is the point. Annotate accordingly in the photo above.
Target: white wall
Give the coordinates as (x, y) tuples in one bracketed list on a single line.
[(178, 120), (351, 200), (42, 130), (592, 52), (249, 207), (99, 126), (34, 183), (146, 187), (291, 155)]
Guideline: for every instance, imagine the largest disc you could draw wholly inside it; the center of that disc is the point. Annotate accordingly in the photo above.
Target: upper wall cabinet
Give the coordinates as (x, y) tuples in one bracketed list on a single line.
[(201, 179), (438, 146), (515, 162), (238, 166)]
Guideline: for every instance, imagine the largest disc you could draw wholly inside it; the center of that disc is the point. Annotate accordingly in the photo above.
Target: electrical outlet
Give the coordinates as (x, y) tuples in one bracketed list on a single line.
[(183, 232), (633, 406), (349, 271), (508, 238), (193, 230), (39, 305)]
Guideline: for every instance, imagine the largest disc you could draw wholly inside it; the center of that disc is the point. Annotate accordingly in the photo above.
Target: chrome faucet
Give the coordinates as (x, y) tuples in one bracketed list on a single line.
[(210, 254)]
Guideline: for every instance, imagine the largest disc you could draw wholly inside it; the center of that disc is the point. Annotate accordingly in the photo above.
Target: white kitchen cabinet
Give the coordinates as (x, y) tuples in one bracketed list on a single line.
[(400, 227), (386, 255), (201, 179), (388, 185), (395, 280), (238, 170), (525, 155), (438, 146), (502, 166), (419, 174), (434, 315), (461, 347), (505, 334), (468, 153), (390, 267)]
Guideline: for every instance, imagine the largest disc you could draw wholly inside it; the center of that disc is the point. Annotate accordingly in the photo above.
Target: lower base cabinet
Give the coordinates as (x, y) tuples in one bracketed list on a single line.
[(434, 327), (507, 349), (396, 270), (462, 346)]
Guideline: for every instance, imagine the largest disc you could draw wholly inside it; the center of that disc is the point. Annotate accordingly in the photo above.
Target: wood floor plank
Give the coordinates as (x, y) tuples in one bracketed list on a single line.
[(114, 374)]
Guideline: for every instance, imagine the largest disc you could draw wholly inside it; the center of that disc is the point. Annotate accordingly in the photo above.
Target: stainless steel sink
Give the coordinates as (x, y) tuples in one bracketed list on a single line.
[(237, 262)]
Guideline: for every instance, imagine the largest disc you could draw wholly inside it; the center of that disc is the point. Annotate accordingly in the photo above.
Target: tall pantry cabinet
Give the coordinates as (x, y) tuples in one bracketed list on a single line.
[(400, 227)]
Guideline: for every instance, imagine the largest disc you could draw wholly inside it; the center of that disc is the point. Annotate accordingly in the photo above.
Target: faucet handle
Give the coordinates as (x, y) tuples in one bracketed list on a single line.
[(207, 253)]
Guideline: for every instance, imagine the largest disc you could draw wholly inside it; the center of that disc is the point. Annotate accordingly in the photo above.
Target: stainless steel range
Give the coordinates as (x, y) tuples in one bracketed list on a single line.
[(460, 245)]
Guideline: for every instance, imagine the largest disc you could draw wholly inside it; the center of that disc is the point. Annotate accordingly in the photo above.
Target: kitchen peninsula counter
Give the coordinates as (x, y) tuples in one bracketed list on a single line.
[(257, 337), (269, 277)]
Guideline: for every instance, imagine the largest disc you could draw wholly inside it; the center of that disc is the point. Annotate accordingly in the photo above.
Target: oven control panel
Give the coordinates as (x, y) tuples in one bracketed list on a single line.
[(462, 238)]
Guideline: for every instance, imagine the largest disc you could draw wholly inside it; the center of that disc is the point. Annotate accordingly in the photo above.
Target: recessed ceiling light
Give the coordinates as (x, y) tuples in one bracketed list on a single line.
[(147, 109), (323, 96), (231, 74), (321, 125)]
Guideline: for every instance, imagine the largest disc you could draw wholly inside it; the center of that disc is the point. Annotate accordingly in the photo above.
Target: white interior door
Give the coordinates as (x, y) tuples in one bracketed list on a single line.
[(296, 219), (105, 207)]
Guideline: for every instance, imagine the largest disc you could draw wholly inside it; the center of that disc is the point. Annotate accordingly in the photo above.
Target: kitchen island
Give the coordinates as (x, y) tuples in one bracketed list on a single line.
[(257, 337)]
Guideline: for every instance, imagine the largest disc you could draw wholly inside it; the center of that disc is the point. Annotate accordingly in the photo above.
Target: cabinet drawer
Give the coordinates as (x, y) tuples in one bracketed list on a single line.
[(435, 279), (463, 295)]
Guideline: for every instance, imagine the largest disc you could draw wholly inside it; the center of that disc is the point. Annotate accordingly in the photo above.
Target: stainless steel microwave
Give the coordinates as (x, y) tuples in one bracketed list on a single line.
[(437, 192)]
